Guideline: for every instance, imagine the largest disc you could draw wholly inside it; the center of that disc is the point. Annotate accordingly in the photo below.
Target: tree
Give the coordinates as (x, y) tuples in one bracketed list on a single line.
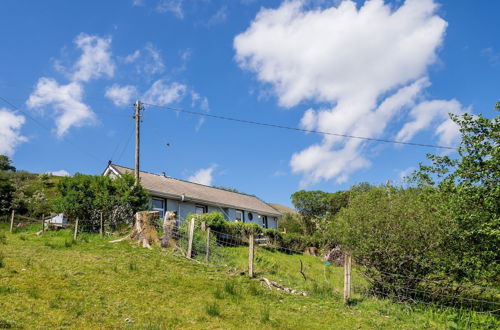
[(471, 186), (315, 207), (6, 164)]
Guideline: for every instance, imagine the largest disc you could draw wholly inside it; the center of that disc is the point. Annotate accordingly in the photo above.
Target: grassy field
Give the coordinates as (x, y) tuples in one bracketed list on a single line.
[(51, 281)]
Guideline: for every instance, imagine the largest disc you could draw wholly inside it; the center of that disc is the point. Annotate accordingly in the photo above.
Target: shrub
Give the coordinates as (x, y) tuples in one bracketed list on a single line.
[(212, 309), (393, 231)]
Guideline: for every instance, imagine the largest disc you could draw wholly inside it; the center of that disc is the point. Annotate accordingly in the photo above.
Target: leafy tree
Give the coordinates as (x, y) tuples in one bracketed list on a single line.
[(6, 164), (470, 183), (315, 207)]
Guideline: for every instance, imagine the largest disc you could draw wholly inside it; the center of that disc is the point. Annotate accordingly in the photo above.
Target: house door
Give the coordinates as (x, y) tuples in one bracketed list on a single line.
[(264, 221)]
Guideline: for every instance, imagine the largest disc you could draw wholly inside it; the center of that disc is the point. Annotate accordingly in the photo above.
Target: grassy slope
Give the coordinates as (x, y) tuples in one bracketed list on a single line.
[(49, 282)]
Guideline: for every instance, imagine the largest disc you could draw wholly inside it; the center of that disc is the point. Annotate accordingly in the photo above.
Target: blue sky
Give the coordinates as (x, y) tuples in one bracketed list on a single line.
[(389, 70)]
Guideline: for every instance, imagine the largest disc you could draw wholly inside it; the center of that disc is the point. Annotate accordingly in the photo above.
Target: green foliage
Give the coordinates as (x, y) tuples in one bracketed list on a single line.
[(394, 231), (291, 223), (87, 197), (470, 186), (315, 207), (213, 309), (6, 164)]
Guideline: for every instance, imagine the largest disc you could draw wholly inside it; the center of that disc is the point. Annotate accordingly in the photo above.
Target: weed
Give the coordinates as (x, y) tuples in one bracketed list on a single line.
[(4, 324), (230, 288), (50, 245), (2, 261), (218, 294), (115, 268), (6, 290), (28, 262), (3, 238), (212, 309), (23, 237), (265, 316), (254, 289), (33, 293), (69, 243), (132, 266)]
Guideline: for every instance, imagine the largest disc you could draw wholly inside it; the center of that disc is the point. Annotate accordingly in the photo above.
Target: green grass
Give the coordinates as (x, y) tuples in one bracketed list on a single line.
[(51, 281)]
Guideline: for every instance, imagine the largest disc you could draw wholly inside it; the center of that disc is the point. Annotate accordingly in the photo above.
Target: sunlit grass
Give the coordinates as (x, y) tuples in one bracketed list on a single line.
[(52, 281)]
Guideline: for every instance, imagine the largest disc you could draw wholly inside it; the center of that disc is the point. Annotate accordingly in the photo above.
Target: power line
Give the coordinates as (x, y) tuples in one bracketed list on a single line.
[(15, 108), (298, 129)]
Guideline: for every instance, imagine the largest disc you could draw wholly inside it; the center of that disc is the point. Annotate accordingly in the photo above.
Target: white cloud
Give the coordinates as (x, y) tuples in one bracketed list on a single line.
[(155, 63), (10, 131), (132, 57), (219, 17), (147, 60), (59, 173), (95, 60), (492, 56), (203, 176), (121, 95), (368, 63), (406, 172), (201, 102), (427, 112), (172, 6), (137, 3), (162, 94), (66, 100)]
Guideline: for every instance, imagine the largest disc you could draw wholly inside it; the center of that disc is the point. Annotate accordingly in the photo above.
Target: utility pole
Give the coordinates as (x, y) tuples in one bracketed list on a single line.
[(137, 117)]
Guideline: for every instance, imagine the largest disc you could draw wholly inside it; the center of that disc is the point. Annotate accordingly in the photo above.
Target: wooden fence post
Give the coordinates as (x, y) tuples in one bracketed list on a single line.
[(207, 246), (347, 278), (190, 241), (100, 228), (76, 229), (12, 221), (43, 223), (250, 255)]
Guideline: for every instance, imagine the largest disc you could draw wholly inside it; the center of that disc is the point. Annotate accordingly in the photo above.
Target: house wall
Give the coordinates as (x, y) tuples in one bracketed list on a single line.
[(184, 208)]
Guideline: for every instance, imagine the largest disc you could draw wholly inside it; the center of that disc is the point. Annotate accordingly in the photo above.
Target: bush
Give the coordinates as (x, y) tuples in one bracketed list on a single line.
[(394, 231)]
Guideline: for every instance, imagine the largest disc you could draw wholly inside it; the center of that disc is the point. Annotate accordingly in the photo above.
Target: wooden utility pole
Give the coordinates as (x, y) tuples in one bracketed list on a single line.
[(137, 117)]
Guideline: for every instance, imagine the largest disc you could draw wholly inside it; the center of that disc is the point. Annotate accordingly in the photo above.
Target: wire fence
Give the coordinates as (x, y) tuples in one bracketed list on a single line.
[(294, 271)]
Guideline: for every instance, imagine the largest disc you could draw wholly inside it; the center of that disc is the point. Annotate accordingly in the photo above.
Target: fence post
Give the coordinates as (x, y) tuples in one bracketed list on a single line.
[(203, 226), (12, 221), (43, 223), (76, 229), (100, 228), (207, 246), (250, 255), (190, 241), (347, 278)]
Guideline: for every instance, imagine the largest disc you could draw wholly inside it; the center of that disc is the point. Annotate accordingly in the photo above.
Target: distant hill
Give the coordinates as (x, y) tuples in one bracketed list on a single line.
[(282, 208)]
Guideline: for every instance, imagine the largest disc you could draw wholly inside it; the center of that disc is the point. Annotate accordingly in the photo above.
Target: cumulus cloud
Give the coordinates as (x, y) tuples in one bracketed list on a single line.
[(121, 95), (368, 63), (161, 93), (95, 60), (10, 131), (65, 100), (171, 6), (428, 111), (203, 176)]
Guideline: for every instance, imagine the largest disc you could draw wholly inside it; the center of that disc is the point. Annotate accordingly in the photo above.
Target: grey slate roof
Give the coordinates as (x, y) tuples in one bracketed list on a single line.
[(174, 188)]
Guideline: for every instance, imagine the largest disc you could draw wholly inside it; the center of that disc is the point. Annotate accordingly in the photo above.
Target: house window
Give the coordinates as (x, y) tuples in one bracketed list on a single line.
[(239, 216), (200, 209), (158, 205), (264, 221)]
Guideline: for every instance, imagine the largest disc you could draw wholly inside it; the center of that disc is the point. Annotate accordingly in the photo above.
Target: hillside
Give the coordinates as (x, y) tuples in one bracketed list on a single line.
[(50, 281)]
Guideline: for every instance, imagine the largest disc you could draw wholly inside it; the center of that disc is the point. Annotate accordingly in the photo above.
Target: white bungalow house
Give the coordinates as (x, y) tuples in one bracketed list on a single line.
[(184, 197)]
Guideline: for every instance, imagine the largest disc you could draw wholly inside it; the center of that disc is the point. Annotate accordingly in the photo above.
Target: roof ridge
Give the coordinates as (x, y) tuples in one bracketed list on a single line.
[(203, 185)]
